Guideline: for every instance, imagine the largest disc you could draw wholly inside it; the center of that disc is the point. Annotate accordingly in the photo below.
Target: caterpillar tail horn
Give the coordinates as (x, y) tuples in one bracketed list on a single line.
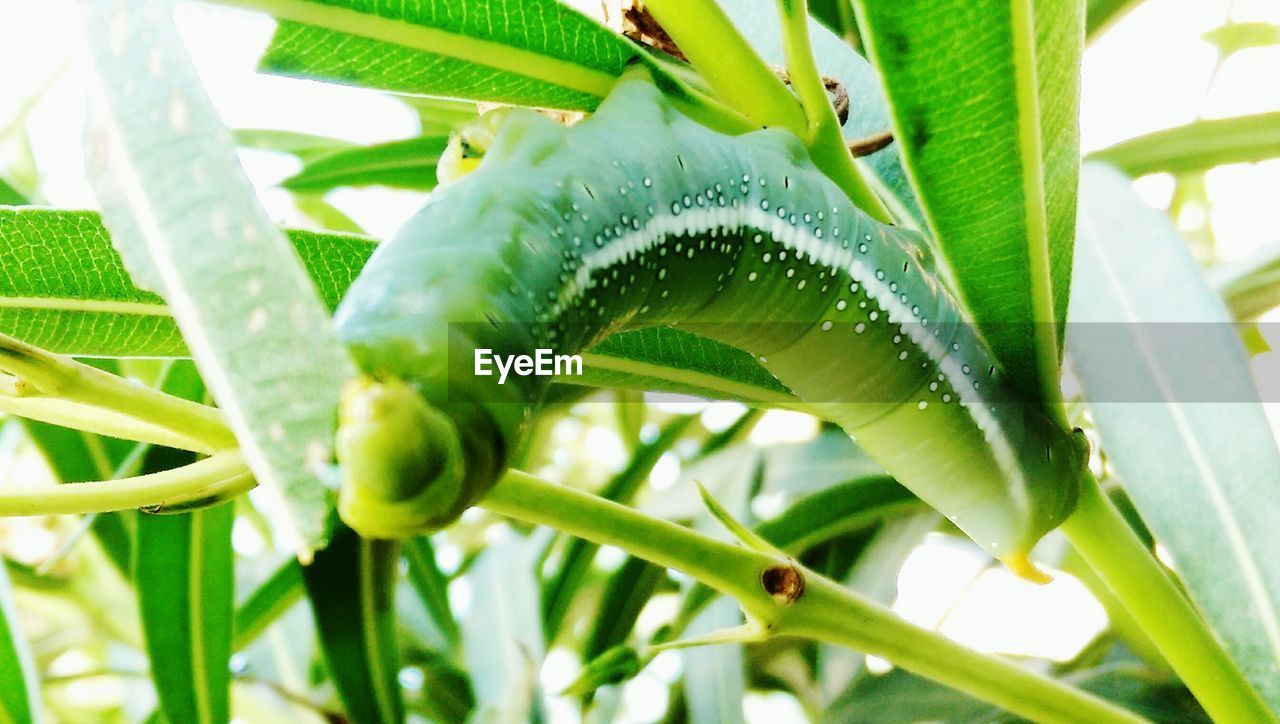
[(401, 459)]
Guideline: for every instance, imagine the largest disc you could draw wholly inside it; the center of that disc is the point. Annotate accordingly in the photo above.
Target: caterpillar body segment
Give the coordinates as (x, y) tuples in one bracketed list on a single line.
[(640, 217)]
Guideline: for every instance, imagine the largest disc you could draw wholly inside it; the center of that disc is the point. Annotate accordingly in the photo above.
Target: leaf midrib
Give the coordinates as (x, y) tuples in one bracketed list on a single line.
[(528, 63)]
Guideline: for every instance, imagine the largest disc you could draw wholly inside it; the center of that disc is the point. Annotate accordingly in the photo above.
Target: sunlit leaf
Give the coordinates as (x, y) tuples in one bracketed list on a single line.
[(1198, 146), (1201, 470), (189, 226)]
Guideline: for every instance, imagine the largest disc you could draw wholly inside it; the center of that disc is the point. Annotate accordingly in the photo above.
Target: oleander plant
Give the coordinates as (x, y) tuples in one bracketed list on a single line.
[(514, 461)]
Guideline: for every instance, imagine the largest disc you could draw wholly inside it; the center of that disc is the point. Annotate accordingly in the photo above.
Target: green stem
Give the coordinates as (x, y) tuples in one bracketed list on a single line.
[(222, 475), (97, 420), (1101, 535), (826, 143), (824, 611), (728, 62), (41, 374)]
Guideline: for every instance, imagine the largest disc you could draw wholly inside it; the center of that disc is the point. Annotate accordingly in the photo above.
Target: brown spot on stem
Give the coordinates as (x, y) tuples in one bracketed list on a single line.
[(784, 583)]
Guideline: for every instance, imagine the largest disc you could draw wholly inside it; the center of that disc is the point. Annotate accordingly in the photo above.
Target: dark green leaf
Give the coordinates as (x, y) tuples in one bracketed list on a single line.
[(991, 141), (183, 570), (351, 585), (408, 164)]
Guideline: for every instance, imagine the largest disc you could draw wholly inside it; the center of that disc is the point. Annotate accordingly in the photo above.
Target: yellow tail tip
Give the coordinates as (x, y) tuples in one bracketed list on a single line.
[(1023, 568)]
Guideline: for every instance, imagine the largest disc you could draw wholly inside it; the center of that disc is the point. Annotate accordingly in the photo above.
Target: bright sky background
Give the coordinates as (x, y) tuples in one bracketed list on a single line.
[(1150, 71)]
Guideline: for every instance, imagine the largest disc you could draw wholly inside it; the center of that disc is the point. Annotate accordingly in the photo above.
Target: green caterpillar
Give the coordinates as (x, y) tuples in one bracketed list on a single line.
[(638, 217)]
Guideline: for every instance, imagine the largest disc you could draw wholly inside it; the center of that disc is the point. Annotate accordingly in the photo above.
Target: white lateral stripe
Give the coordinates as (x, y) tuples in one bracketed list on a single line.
[(802, 242)]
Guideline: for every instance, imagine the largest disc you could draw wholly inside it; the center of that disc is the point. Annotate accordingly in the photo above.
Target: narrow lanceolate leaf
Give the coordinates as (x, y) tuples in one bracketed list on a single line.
[(1198, 146), (990, 140), (407, 164), (183, 573), (19, 687), (66, 289), (190, 228), (1171, 391), (267, 603), (183, 569), (534, 53), (1235, 37), (351, 586)]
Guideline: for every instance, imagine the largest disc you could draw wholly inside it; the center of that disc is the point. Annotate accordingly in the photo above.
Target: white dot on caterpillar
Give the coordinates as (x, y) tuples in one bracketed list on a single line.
[(690, 253), (859, 328), (964, 369), (880, 274), (921, 405), (897, 339), (764, 204), (827, 325), (946, 398), (752, 277), (862, 248), (933, 386), (902, 355), (873, 316), (647, 182), (840, 305), (800, 285), (817, 233), (791, 273), (662, 274)]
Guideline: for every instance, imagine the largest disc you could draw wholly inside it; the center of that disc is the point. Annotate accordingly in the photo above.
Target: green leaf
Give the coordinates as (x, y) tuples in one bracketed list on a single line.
[(991, 141), (1198, 146), (183, 573), (267, 603), (677, 361), (189, 226), (407, 164), (68, 291), (1201, 470), (561, 586), (1234, 37), (183, 569), (305, 146), (626, 593), (1100, 14), (902, 696), (431, 585), (10, 196), (502, 633), (534, 53), (19, 686), (351, 585)]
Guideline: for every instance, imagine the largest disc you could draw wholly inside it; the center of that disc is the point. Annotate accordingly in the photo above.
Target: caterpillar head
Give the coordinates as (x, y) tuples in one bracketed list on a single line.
[(401, 459)]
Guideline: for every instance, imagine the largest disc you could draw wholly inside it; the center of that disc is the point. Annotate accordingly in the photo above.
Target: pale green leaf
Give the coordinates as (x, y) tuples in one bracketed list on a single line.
[(1198, 146), (189, 226), (1201, 471)]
